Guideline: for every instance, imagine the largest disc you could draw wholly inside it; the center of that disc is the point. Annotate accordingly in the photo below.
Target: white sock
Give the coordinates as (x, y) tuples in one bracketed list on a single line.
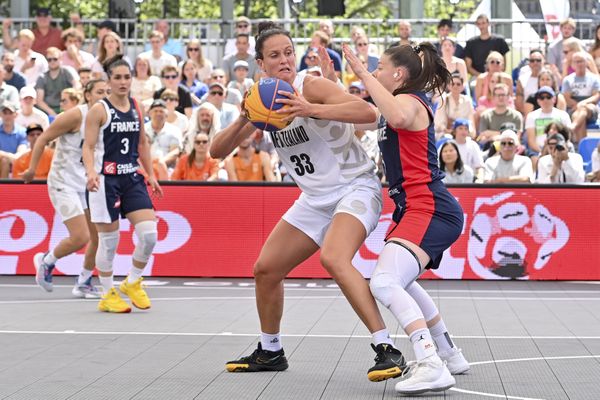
[(135, 273), (50, 258), (382, 336), (440, 335), (106, 282), (422, 343), (84, 275), (270, 342)]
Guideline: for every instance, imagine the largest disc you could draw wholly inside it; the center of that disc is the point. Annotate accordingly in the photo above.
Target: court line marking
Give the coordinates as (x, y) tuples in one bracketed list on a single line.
[(339, 296), (496, 396), (299, 335)]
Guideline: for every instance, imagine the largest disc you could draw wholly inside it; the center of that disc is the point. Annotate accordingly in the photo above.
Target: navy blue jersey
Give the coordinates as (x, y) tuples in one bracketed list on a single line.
[(117, 146)]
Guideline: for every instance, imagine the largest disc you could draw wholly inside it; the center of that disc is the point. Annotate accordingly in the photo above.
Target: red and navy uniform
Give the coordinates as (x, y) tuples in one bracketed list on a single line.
[(122, 189), (426, 213)]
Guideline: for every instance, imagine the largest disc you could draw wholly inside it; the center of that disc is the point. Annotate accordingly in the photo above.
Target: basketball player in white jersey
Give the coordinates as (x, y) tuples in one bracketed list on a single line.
[(66, 188), (339, 206)]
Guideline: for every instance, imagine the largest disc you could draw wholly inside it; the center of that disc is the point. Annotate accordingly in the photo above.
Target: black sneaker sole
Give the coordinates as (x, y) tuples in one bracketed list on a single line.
[(245, 367), (384, 374)]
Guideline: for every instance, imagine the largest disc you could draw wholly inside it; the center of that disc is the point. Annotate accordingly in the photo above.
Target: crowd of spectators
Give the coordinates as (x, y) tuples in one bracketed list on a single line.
[(489, 127)]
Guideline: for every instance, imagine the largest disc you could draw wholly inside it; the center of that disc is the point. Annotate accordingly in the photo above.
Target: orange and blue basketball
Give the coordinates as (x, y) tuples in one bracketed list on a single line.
[(260, 104)]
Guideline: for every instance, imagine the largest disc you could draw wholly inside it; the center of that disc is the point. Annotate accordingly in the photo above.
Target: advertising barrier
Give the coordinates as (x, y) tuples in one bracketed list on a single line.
[(517, 232)]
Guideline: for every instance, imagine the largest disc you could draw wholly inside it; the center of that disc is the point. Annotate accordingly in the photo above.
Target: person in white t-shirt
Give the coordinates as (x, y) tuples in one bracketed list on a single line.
[(28, 114), (242, 25), (157, 57), (508, 166), (165, 138), (29, 63), (560, 166), (536, 121), (470, 152)]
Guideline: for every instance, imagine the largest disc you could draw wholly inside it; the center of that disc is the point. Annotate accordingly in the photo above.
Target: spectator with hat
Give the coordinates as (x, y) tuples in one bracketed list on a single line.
[(232, 96), (536, 120), (29, 114), (242, 25), (240, 79), (13, 139), (216, 96), (21, 164), (29, 63), (44, 34), (560, 166), (470, 153), (242, 44), (11, 76), (508, 166)]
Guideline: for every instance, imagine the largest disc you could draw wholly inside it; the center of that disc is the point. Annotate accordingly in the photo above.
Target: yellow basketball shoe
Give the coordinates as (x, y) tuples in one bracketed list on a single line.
[(136, 293), (112, 302)]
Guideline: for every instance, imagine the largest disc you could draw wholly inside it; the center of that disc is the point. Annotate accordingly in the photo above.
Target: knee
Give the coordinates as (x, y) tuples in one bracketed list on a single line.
[(266, 271), (147, 234), (332, 262), (81, 239), (382, 287)]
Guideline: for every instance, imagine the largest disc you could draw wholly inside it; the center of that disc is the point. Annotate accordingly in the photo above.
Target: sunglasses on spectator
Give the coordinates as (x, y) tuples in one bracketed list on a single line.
[(551, 143), (217, 76), (545, 97), (50, 59), (354, 91), (216, 93), (193, 48), (509, 144), (496, 62), (170, 76), (200, 141)]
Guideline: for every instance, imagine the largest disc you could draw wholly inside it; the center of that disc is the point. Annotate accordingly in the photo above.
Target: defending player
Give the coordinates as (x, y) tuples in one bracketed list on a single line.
[(66, 188), (428, 217), (339, 206), (114, 138)]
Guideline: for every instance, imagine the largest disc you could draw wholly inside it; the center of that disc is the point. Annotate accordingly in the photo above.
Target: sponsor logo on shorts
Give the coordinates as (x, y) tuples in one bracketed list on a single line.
[(110, 168)]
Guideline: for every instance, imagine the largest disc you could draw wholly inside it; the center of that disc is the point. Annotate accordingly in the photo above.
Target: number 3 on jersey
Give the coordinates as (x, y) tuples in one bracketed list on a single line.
[(303, 164), (125, 143)]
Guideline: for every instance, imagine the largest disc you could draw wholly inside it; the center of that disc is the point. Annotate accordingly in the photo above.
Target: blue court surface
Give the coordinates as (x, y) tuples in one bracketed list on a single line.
[(525, 340)]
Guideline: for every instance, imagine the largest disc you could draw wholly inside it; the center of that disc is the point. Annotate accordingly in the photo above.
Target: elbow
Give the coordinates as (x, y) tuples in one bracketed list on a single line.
[(369, 115), (215, 151)]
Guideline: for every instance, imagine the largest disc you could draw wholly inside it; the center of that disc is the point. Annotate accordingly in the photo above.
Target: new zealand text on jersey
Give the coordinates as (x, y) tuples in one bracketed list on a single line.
[(124, 126), (290, 137)]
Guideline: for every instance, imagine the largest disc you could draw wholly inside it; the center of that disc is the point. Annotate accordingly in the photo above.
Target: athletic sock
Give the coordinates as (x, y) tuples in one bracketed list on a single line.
[(441, 337), (422, 343), (50, 258), (106, 282), (270, 342), (382, 336), (135, 273), (84, 275)]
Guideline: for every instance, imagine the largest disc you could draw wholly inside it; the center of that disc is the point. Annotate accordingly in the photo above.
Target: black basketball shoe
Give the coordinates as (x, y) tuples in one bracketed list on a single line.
[(389, 363), (259, 360)]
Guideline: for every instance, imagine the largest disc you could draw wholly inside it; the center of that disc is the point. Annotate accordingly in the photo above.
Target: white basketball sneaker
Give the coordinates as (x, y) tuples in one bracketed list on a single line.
[(427, 375), (455, 361)]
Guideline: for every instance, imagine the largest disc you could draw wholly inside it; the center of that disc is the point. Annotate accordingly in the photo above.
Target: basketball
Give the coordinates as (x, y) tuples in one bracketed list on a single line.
[(260, 104)]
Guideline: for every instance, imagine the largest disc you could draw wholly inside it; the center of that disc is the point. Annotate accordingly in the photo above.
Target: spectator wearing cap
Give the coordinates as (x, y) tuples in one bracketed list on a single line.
[(46, 35), (73, 56), (197, 164), (452, 164), (165, 138), (242, 25), (232, 96), (216, 96), (508, 166), (50, 85), (358, 89), (170, 80), (171, 46), (242, 45), (13, 139), (7, 92), (240, 79), (536, 120), (470, 152), (28, 114), (444, 30), (454, 105), (189, 79), (157, 57), (560, 166), (492, 119), (11, 76), (21, 164), (478, 47), (29, 63)]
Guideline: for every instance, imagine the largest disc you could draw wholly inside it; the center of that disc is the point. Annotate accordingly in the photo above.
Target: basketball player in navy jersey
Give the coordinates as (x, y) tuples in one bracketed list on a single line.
[(428, 217), (114, 139)]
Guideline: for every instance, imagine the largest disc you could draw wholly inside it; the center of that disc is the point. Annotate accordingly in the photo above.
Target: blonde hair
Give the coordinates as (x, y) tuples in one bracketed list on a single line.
[(73, 94), (26, 33)]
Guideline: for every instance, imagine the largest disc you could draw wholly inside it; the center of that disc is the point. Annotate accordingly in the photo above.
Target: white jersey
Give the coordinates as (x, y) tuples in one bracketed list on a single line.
[(67, 170), (321, 155)]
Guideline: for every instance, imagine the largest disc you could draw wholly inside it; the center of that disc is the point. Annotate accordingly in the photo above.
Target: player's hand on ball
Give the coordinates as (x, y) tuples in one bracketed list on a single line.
[(297, 105)]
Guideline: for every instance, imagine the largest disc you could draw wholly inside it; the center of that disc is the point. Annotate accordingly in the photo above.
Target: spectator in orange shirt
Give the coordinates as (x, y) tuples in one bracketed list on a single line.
[(21, 164), (197, 165), (249, 164)]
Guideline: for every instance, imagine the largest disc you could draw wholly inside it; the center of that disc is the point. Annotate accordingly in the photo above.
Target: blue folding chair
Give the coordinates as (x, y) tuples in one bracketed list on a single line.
[(586, 147)]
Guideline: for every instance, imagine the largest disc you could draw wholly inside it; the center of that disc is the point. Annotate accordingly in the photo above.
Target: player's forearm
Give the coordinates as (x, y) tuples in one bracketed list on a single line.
[(226, 140)]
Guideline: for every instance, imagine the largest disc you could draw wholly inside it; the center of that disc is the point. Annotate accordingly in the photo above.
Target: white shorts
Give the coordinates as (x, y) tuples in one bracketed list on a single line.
[(67, 202), (313, 215)]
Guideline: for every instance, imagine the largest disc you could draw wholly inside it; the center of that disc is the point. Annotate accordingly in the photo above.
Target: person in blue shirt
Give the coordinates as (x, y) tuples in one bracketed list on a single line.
[(12, 77), (13, 139), (320, 38), (172, 46)]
